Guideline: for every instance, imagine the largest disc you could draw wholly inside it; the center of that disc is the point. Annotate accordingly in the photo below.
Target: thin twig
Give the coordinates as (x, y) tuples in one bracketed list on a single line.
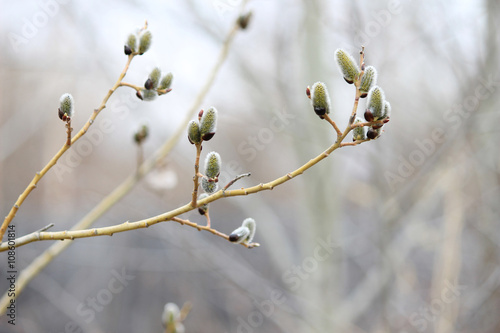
[(196, 177), (327, 118), (235, 180), (68, 131), (207, 228), (130, 85), (356, 84)]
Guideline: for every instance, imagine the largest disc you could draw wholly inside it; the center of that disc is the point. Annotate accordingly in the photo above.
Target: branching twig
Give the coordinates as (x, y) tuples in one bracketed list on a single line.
[(40, 262), (327, 118), (173, 214)]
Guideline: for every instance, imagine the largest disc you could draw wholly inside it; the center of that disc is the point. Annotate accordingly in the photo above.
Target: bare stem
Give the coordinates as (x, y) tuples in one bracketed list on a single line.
[(196, 177), (327, 118), (235, 180), (357, 84), (130, 85), (208, 218), (68, 131), (207, 228)]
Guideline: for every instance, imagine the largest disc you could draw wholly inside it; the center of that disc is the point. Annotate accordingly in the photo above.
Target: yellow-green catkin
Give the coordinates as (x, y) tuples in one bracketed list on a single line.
[(320, 99), (387, 110), (166, 81), (194, 135), (145, 41), (347, 66), (358, 132), (368, 80), (131, 44), (212, 165), (66, 106), (212, 170), (155, 76), (376, 101), (208, 124), (148, 95)]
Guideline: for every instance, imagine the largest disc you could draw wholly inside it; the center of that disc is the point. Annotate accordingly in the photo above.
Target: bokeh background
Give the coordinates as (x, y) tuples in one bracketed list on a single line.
[(396, 235)]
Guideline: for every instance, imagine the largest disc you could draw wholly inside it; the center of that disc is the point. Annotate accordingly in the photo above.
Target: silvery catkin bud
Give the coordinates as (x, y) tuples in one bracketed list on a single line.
[(194, 135), (212, 165), (358, 132), (209, 186), (154, 78), (320, 99), (171, 314), (147, 95), (387, 110), (166, 81), (208, 124), (145, 41), (368, 80), (376, 101), (131, 44), (245, 233), (347, 66), (212, 170), (239, 235), (203, 208), (66, 107)]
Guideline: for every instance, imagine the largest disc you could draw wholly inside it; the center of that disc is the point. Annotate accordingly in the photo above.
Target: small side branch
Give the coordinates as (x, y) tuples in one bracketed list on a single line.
[(235, 180), (327, 118)]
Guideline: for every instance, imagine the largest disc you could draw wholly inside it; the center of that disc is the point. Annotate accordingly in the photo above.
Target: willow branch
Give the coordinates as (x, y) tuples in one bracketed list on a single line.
[(40, 262), (172, 215), (39, 175)]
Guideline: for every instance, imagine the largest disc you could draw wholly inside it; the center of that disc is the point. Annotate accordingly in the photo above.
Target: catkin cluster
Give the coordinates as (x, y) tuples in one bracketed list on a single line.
[(378, 109)]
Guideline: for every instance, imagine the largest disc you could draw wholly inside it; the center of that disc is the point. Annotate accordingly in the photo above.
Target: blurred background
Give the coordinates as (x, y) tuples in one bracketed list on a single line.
[(395, 235)]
